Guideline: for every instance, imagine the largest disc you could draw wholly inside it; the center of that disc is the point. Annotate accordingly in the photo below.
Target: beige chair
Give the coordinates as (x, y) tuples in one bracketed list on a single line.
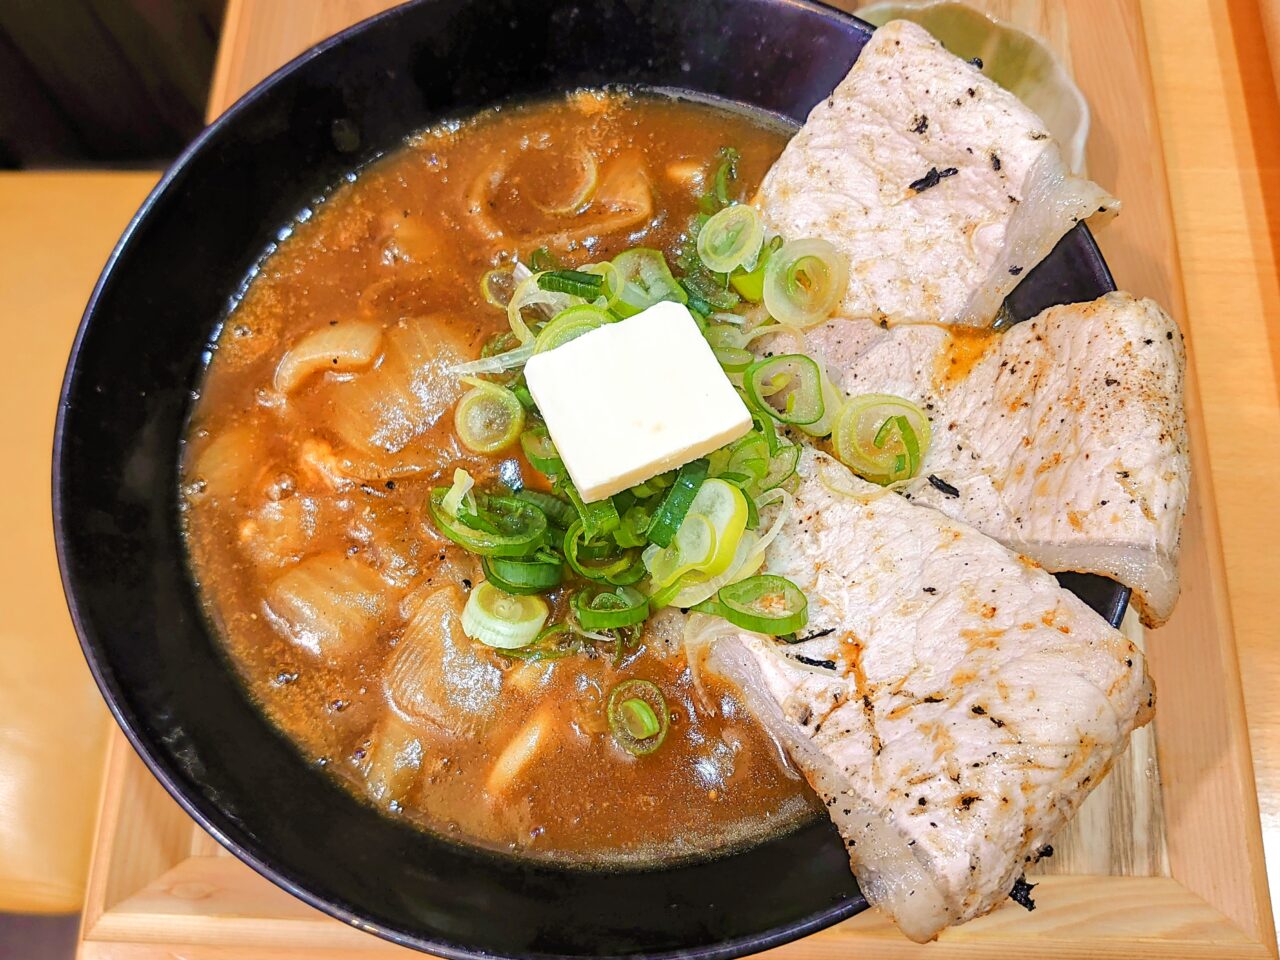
[(56, 231)]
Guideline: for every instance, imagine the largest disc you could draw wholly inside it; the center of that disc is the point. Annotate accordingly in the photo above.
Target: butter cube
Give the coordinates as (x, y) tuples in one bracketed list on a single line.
[(635, 398)]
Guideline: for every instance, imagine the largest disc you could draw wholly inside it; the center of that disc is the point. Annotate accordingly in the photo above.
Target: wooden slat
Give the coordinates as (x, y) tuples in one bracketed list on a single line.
[(207, 901), (1221, 124), (259, 37)]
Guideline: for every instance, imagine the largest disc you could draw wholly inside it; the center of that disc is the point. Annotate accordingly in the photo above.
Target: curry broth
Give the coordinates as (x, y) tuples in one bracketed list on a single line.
[(281, 495)]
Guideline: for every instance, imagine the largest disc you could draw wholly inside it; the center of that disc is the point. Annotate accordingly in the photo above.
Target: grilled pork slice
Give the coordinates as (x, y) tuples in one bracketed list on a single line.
[(939, 185), (955, 707), (1064, 438)]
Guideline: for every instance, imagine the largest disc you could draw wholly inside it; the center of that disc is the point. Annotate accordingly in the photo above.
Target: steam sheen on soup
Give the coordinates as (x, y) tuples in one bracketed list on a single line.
[(326, 418)]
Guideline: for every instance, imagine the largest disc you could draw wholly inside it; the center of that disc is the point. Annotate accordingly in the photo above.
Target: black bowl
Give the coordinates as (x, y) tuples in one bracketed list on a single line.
[(139, 355)]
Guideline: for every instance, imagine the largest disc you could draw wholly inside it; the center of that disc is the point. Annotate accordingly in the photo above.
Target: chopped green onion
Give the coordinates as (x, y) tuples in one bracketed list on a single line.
[(725, 507), (502, 620), (535, 574), (693, 589), (766, 604), (599, 561), (832, 404), (560, 513), (787, 387), (731, 239), (524, 396), (610, 292), (639, 719), (645, 280), (805, 281), (725, 176), (691, 549), (707, 540), (748, 456), (610, 609), (488, 418), (882, 438), (727, 344), (543, 259), (459, 494), (555, 642), (638, 716), (569, 325), (598, 518), (654, 485), (540, 451), (529, 296), (666, 521), (705, 287), (575, 282), (782, 467), (497, 286), (633, 530), (750, 286), (499, 527)]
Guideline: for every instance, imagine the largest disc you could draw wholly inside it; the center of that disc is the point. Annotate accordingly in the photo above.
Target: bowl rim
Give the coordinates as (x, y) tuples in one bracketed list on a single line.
[(113, 694)]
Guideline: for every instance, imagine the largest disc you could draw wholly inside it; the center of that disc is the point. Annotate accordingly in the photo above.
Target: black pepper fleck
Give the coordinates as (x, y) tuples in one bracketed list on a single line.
[(939, 484), (1021, 893)]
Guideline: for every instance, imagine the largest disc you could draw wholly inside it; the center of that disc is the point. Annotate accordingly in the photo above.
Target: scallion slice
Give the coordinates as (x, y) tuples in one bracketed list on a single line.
[(666, 521), (598, 518), (691, 549), (535, 574), (731, 239), (459, 494), (530, 297), (559, 512), (765, 603), (555, 642), (540, 451), (543, 259), (645, 279), (569, 325), (498, 285), (488, 418), (882, 438), (502, 620), (633, 530), (787, 387), (499, 527), (610, 609), (708, 289), (609, 563), (782, 466), (725, 508), (575, 282), (750, 286), (727, 342), (722, 181), (805, 281), (638, 716)]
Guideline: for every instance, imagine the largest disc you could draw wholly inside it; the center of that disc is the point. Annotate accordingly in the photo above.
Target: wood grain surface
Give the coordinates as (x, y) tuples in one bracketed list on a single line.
[(1201, 127), (48, 263)]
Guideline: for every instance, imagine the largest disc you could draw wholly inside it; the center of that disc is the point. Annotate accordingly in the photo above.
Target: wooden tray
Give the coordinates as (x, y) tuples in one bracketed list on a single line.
[(1165, 858)]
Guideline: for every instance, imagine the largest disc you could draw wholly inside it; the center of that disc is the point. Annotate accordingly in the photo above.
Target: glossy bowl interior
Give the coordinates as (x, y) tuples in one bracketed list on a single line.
[(138, 358)]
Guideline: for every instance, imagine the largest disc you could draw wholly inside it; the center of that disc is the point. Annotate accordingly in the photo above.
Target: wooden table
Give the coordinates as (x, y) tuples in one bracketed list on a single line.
[(1219, 124)]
